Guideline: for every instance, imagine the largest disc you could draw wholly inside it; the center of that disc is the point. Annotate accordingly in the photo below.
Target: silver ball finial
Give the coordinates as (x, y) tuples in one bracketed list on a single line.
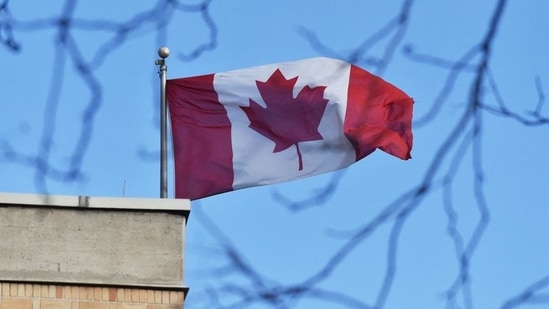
[(163, 52)]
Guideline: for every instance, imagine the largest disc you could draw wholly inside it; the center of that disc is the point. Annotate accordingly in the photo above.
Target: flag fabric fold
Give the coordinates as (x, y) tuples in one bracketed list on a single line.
[(279, 122)]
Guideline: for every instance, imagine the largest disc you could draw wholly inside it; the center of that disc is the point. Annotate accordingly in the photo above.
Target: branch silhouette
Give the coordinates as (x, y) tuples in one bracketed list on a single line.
[(465, 138), (68, 53), (238, 281), (530, 295)]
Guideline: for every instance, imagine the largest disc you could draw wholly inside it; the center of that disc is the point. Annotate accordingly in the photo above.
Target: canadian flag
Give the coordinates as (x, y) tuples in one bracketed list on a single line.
[(279, 122)]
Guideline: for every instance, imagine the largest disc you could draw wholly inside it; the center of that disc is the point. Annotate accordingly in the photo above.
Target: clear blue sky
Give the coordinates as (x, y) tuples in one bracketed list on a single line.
[(43, 101)]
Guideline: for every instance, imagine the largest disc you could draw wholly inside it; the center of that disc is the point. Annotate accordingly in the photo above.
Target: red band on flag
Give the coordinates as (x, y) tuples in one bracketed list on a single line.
[(378, 115), (203, 149)]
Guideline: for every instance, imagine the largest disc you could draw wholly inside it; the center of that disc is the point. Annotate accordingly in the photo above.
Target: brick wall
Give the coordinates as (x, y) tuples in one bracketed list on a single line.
[(42, 296)]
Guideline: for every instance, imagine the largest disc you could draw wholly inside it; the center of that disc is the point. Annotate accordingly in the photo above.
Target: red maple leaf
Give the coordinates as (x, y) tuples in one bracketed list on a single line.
[(287, 120)]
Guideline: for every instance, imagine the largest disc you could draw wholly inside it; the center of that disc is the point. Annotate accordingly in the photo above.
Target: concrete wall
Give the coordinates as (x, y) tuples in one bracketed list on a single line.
[(90, 241)]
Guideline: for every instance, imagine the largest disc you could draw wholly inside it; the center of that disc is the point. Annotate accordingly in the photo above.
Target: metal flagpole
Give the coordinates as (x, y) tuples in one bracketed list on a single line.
[(163, 52)]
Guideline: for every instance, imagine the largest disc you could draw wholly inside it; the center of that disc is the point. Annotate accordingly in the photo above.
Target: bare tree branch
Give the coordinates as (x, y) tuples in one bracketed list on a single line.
[(239, 282), (68, 52), (530, 295)]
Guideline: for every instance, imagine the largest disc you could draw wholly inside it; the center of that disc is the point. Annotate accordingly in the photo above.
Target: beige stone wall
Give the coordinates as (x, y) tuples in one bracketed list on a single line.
[(78, 252), (49, 296), (130, 245)]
